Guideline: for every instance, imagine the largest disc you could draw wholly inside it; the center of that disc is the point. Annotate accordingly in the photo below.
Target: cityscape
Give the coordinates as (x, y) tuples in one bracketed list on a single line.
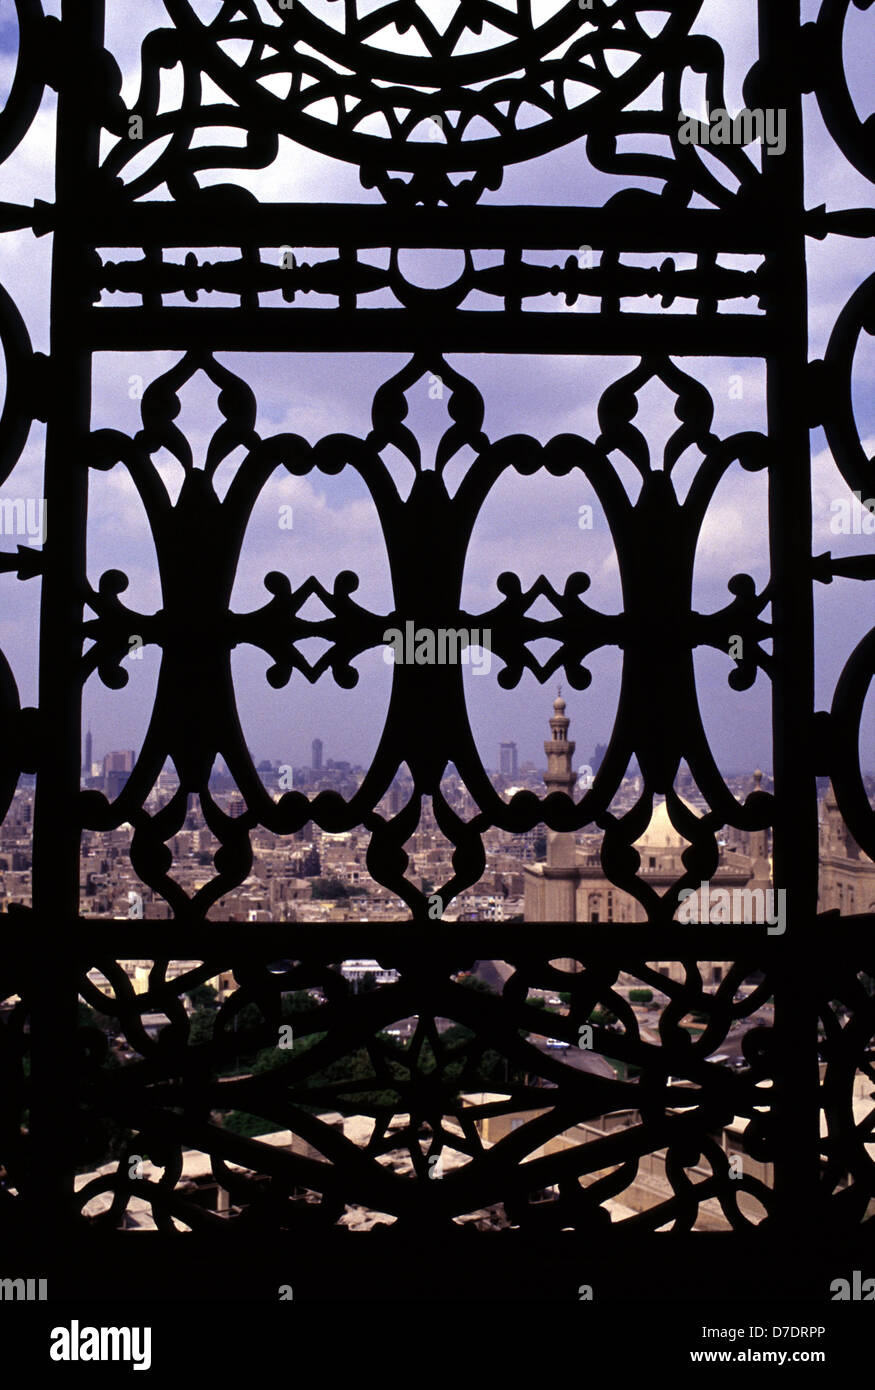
[(315, 876)]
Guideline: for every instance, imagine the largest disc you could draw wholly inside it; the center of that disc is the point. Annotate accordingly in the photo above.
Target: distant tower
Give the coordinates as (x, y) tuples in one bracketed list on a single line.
[(89, 750), (508, 763), (551, 887), (317, 755), (561, 777)]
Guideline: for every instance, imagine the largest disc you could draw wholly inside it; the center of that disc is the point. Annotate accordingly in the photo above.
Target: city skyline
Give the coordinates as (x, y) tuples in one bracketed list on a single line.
[(496, 769)]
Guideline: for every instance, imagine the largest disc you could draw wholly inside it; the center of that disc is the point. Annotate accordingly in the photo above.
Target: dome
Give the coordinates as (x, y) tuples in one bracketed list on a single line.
[(660, 833)]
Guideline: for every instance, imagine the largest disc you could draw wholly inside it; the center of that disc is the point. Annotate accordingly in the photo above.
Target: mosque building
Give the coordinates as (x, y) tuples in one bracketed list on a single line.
[(571, 885), (847, 875)]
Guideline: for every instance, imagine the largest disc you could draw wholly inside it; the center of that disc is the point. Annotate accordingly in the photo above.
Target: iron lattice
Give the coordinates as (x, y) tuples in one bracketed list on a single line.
[(342, 75)]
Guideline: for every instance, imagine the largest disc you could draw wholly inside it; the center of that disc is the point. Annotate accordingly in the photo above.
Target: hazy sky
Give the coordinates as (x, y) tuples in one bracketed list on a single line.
[(529, 525)]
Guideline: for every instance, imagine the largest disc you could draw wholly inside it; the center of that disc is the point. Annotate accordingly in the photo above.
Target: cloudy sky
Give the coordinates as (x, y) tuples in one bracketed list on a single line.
[(529, 525)]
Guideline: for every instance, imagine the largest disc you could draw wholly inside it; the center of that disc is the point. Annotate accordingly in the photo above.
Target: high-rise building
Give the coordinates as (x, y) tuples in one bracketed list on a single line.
[(89, 753), (598, 756), (122, 761), (317, 755), (116, 767), (508, 759)]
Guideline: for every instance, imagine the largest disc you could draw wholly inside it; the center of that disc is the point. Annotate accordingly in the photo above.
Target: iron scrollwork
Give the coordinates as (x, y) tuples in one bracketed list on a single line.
[(431, 120)]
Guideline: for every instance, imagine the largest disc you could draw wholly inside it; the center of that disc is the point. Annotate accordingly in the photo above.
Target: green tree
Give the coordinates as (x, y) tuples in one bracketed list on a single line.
[(203, 997), (200, 1026), (474, 982), (329, 888), (603, 1018)]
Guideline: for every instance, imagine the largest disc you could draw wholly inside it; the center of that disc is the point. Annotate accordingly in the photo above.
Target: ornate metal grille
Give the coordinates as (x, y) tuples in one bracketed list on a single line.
[(355, 97)]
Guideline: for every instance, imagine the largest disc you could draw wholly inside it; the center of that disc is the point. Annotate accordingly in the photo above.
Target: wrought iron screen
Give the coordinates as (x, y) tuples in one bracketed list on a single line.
[(431, 122)]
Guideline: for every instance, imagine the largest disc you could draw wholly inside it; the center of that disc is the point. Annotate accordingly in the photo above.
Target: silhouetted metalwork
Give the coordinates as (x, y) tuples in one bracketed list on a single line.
[(432, 132)]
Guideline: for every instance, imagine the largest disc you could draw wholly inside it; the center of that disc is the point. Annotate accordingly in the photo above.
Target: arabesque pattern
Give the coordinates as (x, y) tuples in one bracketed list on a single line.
[(431, 113)]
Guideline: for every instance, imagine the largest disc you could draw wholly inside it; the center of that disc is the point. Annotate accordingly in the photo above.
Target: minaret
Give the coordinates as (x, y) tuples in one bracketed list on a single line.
[(551, 888), (561, 853), (560, 775)]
